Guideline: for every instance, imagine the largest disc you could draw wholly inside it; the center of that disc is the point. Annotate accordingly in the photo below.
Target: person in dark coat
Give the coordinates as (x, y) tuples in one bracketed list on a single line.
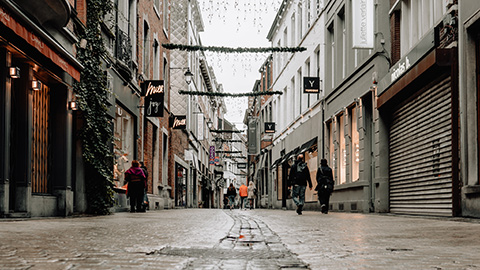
[(324, 185), (298, 178), (136, 186), (231, 194)]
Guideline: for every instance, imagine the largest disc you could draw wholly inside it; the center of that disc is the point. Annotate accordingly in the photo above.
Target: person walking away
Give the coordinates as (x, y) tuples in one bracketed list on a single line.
[(243, 192), (136, 186), (252, 193), (299, 177), (231, 194), (325, 185)]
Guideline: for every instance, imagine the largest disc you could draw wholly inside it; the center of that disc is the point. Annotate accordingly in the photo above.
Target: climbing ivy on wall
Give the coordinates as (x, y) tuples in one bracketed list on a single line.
[(92, 97)]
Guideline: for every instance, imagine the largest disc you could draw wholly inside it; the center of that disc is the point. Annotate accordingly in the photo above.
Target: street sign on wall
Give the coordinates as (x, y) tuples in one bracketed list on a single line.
[(269, 127), (311, 85), (153, 91), (178, 121)]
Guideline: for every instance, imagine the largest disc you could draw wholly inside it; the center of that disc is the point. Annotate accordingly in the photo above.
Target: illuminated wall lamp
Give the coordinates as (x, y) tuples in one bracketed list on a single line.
[(14, 72), (36, 85), (72, 105)]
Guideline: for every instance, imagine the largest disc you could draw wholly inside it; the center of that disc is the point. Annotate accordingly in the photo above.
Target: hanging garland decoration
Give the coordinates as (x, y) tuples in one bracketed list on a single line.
[(217, 94), (228, 152), (193, 48), (226, 131)]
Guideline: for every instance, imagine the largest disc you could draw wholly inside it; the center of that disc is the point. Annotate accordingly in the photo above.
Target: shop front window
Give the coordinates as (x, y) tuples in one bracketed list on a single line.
[(355, 156), (181, 186), (123, 144), (311, 160), (279, 182), (331, 148), (343, 151)]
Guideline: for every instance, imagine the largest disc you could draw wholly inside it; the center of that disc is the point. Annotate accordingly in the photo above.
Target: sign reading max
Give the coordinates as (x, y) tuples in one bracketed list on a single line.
[(311, 85), (178, 121), (153, 91)]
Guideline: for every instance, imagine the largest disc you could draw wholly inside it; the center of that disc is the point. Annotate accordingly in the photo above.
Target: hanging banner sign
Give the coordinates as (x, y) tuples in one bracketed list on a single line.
[(311, 85), (153, 91), (269, 127), (178, 122), (362, 32), (212, 155)]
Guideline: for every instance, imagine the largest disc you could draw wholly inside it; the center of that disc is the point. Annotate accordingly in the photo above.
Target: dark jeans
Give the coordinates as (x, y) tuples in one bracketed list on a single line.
[(136, 193), (298, 194), (242, 202), (324, 198)]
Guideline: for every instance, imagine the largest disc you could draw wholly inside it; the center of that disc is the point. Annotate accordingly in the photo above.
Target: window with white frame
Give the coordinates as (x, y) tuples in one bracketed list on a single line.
[(292, 103), (299, 93), (156, 60), (416, 19), (146, 49), (293, 42), (300, 22), (343, 41), (331, 39), (165, 15)]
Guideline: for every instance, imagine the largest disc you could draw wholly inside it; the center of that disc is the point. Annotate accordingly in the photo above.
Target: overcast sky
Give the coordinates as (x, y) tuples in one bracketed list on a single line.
[(237, 23)]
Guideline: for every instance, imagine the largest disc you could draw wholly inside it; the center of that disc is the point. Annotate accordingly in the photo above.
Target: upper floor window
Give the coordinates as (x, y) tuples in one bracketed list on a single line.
[(146, 49), (417, 17)]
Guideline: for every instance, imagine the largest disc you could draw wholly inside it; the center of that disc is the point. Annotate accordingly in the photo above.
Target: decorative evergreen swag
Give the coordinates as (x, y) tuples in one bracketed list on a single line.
[(217, 94), (96, 131), (222, 140), (191, 48), (226, 131), (228, 152)]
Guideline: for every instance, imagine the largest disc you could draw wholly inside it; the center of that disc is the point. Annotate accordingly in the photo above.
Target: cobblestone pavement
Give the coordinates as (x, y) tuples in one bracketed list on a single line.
[(224, 239)]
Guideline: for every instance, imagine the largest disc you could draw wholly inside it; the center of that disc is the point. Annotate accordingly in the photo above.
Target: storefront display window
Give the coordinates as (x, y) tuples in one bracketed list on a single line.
[(311, 160), (343, 151), (355, 146), (181, 186), (279, 182), (123, 144), (331, 148)]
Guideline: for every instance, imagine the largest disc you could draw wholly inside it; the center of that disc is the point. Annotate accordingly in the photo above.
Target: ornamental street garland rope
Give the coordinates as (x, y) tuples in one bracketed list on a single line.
[(226, 131), (217, 94), (221, 49)]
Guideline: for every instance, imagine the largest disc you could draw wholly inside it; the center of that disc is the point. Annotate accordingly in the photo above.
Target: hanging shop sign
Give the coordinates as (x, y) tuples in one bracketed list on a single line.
[(178, 121), (362, 17), (153, 91), (311, 85), (212, 155), (269, 127), (241, 165)]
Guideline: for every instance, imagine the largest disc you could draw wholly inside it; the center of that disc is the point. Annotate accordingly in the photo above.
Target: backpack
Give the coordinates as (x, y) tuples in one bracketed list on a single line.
[(328, 183)]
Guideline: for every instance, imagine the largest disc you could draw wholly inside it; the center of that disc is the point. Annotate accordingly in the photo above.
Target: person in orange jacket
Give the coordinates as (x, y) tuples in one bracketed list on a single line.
[(243, 192)]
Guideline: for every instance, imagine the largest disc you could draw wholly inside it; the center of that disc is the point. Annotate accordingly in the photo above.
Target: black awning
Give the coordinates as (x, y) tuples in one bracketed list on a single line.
[(291, 153), (276, 163), (306, 146)]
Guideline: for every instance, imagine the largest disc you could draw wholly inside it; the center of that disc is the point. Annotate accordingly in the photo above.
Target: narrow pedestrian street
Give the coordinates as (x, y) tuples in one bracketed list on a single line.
[(252, 239)]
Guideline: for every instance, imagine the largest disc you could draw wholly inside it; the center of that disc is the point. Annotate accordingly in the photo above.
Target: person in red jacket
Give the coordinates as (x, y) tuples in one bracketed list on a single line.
[(136, 186), (243, 192)]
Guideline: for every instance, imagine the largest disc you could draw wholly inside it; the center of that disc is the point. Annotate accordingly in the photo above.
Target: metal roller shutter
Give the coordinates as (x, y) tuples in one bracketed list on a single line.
[(421, 154)]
